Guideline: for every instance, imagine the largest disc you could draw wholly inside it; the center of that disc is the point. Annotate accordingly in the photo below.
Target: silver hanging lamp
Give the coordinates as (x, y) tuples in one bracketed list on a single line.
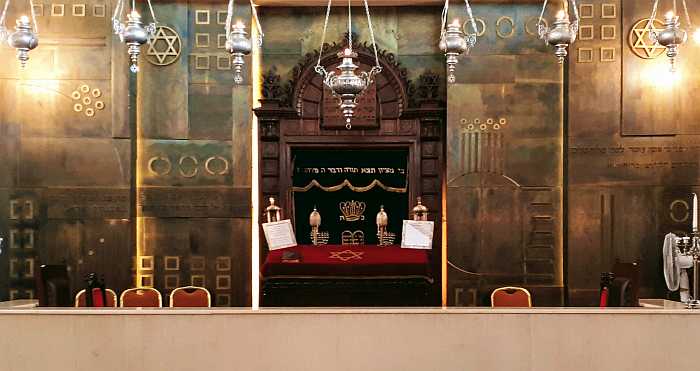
[(453, 41), (237, 41), (563, 31), (348, 85), (133, 33), (26, 34), (672, 35)]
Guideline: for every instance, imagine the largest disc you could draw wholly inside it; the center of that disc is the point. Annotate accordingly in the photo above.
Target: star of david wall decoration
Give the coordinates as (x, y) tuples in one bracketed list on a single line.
[(641, 44), (165, 47)]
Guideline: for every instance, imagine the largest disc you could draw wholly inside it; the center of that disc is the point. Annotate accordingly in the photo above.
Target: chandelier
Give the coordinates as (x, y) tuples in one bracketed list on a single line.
[(133, 34), (453, 41), (26, 34), (348, 85), (672, 35), (563, 31), (237, 42)]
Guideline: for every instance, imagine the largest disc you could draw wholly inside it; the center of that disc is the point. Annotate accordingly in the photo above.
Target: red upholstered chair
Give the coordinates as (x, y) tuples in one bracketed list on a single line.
[(141, 297), (111, 296), (190, 296), (511, 297)]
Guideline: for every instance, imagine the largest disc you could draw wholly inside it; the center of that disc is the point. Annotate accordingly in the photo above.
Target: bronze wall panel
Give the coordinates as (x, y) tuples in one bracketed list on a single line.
[(74, 162), (163, 91), (196, 243), (85, 246), (505, 161), (186, 163), (652, 102), (193, 202)]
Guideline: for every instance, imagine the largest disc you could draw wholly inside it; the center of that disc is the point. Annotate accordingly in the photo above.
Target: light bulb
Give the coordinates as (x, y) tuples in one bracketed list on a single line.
[(561, 15), (455, 22), (134, 13), (239, 24), (669, 14), (24, 19), (696, 35), (347, 52)]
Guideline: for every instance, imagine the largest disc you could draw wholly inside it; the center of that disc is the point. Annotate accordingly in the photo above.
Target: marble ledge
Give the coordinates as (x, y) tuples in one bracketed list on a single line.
[(351, 311)]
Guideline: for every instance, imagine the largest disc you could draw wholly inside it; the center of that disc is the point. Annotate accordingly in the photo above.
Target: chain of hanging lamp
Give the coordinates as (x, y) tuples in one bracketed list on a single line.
[(672, 36), (26, 34), (237, 42), (132, 33), (563, 31), (347, 85), (453, 41)]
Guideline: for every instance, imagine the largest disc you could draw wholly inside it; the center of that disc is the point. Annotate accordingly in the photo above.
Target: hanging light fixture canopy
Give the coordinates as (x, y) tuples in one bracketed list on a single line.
[(237, 41), (672, 35), (26, 34), (453, 41), (348, 85), (132, 33), (563, 31)]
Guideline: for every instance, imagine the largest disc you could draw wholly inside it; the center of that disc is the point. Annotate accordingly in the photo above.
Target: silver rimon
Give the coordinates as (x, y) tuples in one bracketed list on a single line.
[(453, 41)]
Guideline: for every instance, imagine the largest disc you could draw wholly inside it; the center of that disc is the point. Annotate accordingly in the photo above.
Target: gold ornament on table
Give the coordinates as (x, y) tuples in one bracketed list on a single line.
[(352, 210), (382, 222), (420, 212), (273, 212)]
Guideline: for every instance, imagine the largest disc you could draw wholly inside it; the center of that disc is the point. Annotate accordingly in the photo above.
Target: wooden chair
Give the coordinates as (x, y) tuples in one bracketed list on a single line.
[(190, 296), (511, 297), (145, 297), (111, 296)]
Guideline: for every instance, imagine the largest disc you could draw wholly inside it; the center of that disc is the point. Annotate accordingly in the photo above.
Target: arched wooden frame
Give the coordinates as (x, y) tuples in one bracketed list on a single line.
[(390, 85)]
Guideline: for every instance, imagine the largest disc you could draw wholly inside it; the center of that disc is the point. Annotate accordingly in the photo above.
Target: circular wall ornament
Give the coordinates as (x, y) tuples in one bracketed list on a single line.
[(163, 170), (639, 41), (533, 21), (467, 28), (510, 32), (165, 47), (194, 170), (679, 210), (212, 171)]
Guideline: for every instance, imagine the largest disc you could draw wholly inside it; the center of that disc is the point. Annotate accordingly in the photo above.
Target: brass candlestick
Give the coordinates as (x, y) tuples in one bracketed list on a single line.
[(690, 246)]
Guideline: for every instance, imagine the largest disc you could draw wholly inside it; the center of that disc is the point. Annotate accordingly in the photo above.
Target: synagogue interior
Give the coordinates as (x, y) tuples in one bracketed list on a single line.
[(186, 183)]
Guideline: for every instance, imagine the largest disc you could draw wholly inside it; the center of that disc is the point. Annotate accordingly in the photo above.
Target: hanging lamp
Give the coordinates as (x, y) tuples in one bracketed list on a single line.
[(563, 31), (348, 85), (26, 34), (453, 41), (672, 36), (133, 33), (237, 41)]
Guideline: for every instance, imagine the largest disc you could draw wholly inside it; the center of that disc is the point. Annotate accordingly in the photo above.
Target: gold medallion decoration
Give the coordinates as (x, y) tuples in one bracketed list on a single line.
[(346, 255), (83, 100), (640, 41), (165, 47)]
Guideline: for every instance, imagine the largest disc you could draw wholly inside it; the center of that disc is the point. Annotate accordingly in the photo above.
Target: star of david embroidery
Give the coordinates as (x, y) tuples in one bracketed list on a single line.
[(640, 39), (164, 48), (346, 255)]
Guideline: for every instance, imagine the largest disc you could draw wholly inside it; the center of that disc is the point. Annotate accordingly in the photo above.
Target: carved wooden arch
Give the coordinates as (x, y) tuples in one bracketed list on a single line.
[(391, 85)]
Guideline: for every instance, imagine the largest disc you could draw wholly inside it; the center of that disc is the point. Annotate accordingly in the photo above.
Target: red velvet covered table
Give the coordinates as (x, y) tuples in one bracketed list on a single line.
[(346, 275), (348, 260)]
